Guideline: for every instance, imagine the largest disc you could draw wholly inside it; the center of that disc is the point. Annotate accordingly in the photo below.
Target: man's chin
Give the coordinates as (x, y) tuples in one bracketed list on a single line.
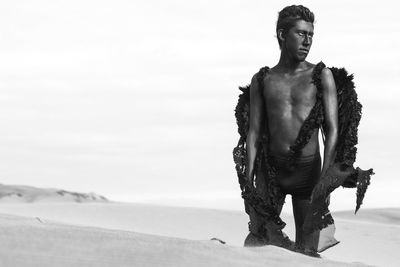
[(301, 59), (302, 56)]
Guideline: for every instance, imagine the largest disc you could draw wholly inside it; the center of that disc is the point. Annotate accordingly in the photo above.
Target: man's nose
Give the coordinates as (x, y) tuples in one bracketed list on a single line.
[(307, 40)]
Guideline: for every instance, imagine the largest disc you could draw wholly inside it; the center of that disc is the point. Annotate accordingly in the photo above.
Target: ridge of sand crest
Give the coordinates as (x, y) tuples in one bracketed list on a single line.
[(29, 194)]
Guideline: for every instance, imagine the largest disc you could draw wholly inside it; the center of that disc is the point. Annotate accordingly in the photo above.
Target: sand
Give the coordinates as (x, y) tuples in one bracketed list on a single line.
[(122, 234), (32, 242)]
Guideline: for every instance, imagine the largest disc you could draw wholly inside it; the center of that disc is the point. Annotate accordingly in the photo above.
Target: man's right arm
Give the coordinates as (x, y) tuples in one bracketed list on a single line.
[(255, 120)]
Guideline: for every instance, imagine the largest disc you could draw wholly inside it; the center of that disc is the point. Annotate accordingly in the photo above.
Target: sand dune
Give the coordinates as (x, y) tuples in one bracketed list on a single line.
[(32, 242), (28, 194), (365, 241), (382, 216), (53, 227)]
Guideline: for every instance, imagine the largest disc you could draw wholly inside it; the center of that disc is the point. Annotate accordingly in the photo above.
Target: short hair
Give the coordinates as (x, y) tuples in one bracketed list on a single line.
[(288, 16)]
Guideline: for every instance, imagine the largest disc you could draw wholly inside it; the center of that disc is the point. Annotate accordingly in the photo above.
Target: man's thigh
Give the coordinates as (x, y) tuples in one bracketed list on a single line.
[(300, 206)]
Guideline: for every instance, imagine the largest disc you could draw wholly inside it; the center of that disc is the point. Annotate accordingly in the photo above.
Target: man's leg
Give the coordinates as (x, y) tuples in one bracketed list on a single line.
[(300, 208), (264, 232)]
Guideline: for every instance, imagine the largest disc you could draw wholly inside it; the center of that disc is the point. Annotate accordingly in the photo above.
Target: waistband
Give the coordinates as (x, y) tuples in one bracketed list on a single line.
[(299, 159)]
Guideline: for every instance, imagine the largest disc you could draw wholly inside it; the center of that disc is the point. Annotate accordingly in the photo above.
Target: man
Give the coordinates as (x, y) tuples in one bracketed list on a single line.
[(289, 95), (288, 104)]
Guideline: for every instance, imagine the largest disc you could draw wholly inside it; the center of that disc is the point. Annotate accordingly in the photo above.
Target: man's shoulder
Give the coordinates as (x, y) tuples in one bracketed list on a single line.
[(327, 79), (262, 71), (330, 72), (260, 74), (326, 73)]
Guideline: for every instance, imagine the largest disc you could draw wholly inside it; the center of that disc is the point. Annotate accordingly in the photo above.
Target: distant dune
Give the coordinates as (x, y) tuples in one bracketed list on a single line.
[(28, 194), (383, 216)]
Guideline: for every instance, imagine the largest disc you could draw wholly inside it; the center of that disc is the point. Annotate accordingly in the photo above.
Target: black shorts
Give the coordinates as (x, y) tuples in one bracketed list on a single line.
[(300, 180)]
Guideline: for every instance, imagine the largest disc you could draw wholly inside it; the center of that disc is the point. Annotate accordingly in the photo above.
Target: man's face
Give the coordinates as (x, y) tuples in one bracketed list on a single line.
[(298, 40)]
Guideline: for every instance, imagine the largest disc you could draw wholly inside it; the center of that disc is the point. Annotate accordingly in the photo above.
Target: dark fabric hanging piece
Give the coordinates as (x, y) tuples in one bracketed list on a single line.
[(263, 199)]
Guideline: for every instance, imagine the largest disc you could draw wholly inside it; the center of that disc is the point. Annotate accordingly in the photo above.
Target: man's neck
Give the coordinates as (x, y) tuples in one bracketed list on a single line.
[(288, 64)]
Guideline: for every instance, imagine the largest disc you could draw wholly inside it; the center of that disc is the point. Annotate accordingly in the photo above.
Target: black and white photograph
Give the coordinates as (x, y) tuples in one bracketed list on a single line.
[(199, 133)]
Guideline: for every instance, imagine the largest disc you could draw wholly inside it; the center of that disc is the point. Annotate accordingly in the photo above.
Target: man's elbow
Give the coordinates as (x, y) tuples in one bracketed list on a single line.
[(253, 134)]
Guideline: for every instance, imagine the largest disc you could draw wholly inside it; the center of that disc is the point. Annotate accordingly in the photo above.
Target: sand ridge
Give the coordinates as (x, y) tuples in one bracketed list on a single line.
[(364, 241), (34, 242)]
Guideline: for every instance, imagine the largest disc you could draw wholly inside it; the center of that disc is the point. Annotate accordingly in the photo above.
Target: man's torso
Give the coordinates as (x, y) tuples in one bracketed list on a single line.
[(289, 98)]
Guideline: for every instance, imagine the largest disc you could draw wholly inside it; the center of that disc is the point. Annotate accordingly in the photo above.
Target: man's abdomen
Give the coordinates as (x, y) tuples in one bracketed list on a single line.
[(280, 144)]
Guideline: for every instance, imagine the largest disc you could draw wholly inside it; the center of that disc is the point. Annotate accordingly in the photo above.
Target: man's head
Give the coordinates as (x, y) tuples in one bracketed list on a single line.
[(294, 29)]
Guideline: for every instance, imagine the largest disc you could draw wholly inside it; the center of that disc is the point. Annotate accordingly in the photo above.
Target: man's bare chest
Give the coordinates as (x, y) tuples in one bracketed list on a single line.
[(282, 93)]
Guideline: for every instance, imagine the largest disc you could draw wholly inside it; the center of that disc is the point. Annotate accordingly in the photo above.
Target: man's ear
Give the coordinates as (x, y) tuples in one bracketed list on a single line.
[(281, 35)]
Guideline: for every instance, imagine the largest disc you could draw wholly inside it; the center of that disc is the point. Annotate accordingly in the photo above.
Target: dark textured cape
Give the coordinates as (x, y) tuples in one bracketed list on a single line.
[(263, 199)]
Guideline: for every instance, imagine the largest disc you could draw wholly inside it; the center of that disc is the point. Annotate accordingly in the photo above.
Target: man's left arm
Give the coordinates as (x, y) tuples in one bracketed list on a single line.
[(329, 99)]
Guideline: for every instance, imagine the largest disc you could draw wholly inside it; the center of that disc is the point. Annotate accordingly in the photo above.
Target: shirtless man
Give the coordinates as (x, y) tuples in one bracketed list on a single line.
[(285, 100)]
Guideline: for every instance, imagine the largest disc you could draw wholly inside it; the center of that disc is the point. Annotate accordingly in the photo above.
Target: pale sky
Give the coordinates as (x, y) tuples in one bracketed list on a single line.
[(135, 99)]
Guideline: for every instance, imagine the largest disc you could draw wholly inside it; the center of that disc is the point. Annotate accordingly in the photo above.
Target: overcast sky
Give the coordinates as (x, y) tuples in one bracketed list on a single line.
[(135, 99)]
